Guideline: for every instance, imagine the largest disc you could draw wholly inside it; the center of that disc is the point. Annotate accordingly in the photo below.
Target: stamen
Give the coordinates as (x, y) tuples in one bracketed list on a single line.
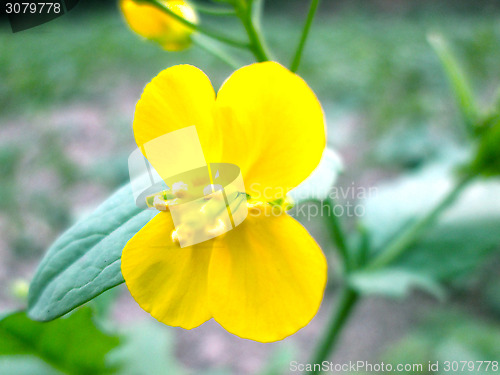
[(256, 207), (182, 233), (218, 229), (160, 204), (180, 189), (175, 237), (274, 208)]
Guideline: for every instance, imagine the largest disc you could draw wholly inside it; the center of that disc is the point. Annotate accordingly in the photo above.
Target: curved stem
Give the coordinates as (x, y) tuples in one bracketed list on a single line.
[(303, 38), (347, 302), (249, 13), (350, 297), (403, 242), (199, 28), (338, 235)]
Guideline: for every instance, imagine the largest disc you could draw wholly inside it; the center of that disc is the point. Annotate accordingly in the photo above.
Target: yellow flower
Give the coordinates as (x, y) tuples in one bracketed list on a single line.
[(151, 23), (265, 279)]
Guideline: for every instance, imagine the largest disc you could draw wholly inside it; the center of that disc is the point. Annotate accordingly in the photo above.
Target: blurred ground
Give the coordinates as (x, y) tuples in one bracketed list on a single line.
[(67, 96)]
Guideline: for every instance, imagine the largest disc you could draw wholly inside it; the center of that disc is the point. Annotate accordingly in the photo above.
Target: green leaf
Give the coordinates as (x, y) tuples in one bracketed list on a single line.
[(396, 283), (458, 80), (72, 344), (464, 238), (85, 260), (487, 160), (25, 365)]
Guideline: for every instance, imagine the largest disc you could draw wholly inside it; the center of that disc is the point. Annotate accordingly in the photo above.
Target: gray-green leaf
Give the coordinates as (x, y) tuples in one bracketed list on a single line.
[(85, 260), (396, 283)]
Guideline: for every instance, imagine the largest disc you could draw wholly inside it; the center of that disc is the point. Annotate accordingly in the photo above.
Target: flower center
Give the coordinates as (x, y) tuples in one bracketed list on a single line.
[(200, 219), (220, 210)]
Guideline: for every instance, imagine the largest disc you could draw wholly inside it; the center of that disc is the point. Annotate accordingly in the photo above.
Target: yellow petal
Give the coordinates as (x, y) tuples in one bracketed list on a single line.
[(273, 128), (178, 97), (152, 23), (266, 278), (166, 280)]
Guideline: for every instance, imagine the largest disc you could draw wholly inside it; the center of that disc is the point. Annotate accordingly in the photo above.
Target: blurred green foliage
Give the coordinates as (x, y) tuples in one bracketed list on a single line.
[(374, 65), (487, 160), (78, 344), (458, 245), (82, 58), (148, 349), (74, 345), (448, 337), (372, 62)]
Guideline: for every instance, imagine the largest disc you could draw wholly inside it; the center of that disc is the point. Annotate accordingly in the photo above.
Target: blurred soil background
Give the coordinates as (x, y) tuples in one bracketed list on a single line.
[(67, 95)]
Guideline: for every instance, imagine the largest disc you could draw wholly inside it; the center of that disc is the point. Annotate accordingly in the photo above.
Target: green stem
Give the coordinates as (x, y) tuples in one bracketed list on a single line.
[(350, 297), (403, 242), (216, 52), (202, 30), (305, 32), (338, 235), (364, 247), (345, 306), (249, 13)]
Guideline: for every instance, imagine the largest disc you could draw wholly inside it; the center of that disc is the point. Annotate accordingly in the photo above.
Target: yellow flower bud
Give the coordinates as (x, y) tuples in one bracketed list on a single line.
[(153, 24), (180, 189)]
